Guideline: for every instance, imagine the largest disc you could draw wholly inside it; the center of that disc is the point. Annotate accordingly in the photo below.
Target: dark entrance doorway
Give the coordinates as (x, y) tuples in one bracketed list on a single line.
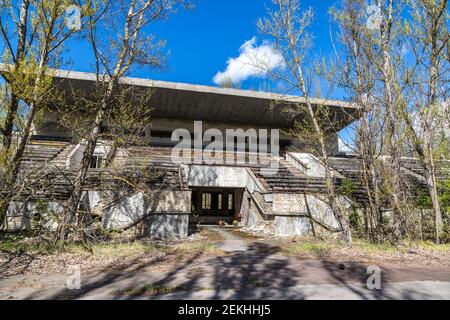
[(209, 206)]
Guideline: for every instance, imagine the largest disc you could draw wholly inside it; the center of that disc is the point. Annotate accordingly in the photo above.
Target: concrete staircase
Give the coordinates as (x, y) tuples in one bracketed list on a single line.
[(39, 154), (352, 169), (154, 166), (61, 158), (287, 178), (414, 165), (412, 173)]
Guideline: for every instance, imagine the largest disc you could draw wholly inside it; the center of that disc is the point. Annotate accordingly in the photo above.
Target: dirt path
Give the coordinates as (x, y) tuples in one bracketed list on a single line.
[(231, 243), (247, 269)]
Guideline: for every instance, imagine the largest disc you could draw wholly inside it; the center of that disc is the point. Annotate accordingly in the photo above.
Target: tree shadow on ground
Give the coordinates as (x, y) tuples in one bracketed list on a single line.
[(259, 272), (235, 275), (106, 277), (349, 275), (243, 272), (14, 263)]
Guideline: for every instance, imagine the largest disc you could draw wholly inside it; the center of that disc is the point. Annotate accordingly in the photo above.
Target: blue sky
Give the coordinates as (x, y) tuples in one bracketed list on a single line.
[(201, 41)]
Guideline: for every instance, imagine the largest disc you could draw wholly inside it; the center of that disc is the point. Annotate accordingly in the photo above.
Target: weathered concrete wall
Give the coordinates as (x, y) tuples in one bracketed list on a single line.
[(223, 177), (125, 212), (288, 207), (252, 216), (314, 167), (288, 211), (166, 226), (97, 198), (170, 220), (244, 209), (171, 213), (289, 226), (320, 210), (171, 201), (51, 125), (20, 214), (75, 157), (216, 176), (288, 203)]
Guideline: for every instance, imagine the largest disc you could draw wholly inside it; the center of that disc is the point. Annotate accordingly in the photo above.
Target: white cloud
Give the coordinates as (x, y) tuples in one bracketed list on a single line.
[(253, 61), (345, 147)]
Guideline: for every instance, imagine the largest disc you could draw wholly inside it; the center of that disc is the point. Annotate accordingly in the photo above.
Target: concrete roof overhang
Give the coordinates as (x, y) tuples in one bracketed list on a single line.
[(171, 100)]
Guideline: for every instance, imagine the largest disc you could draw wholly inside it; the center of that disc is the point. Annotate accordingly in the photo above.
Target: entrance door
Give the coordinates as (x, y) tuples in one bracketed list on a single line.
[(212, 205)]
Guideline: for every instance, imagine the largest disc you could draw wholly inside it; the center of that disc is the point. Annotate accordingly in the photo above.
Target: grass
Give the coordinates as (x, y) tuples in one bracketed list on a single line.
[(109, 249), (21, 246), (308, 246), (20, 243), (368, 247), (116, 249), (301, 246), (315, 247), (435, 247), (389, 248), (38, 258)]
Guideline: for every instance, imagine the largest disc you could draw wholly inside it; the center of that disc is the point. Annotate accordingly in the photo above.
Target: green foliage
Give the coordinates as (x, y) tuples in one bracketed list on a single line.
[(423, 198), (347, 187), (355, 220), (444, 194), (22, 80)]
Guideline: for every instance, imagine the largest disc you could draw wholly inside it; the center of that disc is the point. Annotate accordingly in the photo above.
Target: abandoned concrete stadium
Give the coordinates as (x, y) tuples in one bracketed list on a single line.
[(288, 202)]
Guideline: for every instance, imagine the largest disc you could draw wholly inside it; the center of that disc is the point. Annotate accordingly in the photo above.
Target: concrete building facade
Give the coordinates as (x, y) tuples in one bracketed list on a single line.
[(287, 199)]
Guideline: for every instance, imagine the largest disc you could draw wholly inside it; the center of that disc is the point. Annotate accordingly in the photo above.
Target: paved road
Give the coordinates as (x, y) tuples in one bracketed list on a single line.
[(422, 290), (248, 270)]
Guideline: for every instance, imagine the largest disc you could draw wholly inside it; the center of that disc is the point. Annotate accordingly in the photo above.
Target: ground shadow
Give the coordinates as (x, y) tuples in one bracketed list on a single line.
[(257, 272)]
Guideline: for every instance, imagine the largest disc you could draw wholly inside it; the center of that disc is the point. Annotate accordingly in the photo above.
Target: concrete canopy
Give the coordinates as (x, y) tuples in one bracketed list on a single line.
[(213, 104)]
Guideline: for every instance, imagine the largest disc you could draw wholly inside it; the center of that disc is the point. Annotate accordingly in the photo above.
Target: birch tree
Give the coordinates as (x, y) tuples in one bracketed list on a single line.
[(428, 79), (116, 53), (353, 71), (39, 30), (288, 27)]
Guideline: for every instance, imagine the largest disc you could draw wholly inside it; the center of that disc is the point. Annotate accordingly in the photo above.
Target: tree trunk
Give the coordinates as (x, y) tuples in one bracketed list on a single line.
[(119, 69), (390, 104), (432, 189), (80, 179), (331, 193), (12, 110), (14, 162)]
